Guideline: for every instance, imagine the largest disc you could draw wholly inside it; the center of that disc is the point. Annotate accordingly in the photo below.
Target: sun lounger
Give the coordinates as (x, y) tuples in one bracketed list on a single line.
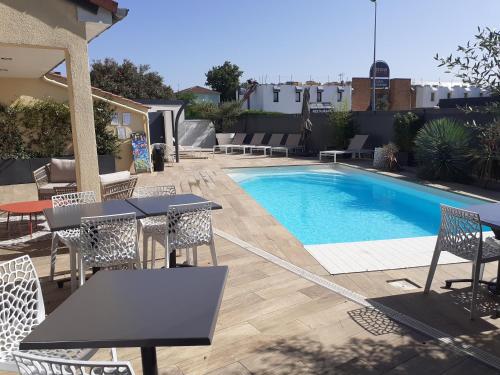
[(236, 143), (291, 144), (355, 148), (256, 143)]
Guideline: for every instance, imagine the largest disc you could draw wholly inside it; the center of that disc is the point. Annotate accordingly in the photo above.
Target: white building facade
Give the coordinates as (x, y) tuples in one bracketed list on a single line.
[(429, 95), (288, 98)]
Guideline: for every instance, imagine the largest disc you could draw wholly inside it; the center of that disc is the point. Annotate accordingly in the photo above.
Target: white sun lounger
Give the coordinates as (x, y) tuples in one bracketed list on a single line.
[(256, 143), (291, 144), (355, 148), (237, 142)]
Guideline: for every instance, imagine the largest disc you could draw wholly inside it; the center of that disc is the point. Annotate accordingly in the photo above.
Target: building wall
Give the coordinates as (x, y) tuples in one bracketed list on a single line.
[(54, 24), (361, 94), (211, 98), (400, 94), (424, 94), (13, 88), (262, 99)]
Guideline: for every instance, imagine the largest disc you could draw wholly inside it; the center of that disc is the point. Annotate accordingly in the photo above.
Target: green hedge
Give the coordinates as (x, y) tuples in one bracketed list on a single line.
[(43, 129)]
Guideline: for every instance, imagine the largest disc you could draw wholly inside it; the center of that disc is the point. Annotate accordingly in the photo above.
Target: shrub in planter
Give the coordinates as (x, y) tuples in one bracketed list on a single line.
[(485, 152), (442, 149), (406, 126), (11, 142), (343, 127)]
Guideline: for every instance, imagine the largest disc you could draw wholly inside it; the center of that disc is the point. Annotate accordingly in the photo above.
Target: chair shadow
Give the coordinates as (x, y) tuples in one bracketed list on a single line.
[(448, 311), (308, 355), (17, 241)]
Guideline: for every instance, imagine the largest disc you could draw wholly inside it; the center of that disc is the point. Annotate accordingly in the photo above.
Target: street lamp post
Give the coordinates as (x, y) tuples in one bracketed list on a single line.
[(374, 104)]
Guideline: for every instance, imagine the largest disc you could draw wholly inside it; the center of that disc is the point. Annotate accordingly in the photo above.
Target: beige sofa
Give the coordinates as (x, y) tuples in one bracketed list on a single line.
[(59, 177), (56, 177)]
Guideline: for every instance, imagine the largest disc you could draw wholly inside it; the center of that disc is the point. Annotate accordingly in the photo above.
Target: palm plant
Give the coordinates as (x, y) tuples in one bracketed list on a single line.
[(443, 151)]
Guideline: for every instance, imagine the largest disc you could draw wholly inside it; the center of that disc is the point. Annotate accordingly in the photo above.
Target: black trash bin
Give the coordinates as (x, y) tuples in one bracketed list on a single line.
[(158, 156)]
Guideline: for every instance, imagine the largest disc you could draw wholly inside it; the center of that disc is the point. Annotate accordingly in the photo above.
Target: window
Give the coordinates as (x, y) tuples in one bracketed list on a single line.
[(319, 96), (276, 96), (297, 96), (433, 96), (339, 94), (448, 95)]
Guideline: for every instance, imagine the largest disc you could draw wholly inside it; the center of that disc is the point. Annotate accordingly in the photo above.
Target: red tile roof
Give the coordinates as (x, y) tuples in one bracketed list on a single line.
[(200, 90)]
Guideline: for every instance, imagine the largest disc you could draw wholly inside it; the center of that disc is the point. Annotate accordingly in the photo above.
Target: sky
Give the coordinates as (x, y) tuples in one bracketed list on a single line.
[(280, 40)]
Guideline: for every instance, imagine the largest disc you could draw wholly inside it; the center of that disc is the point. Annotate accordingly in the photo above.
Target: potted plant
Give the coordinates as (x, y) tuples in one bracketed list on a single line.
[(406, 126)]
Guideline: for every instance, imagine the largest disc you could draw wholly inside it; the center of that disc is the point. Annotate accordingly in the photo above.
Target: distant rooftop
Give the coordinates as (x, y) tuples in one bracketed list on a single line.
[(200, 90), (160, 101)]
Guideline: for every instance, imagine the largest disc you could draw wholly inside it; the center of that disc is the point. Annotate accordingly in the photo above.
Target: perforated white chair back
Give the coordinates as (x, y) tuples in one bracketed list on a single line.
[(29, 364), (21, 305), (73, 199), (107, 241), (189, 225)]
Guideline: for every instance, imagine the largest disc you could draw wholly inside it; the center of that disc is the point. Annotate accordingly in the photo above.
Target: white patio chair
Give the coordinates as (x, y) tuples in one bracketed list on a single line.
[(29, 364), (152, 227), (256, 144), (21, 310), (69, 237), (355, 148), (236, 142), (291, 144), (108, 242), (461, 234), (189, 226)]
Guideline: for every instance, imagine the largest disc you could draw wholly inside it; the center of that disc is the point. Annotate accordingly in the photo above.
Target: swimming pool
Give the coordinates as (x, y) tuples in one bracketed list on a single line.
[(324, 204)]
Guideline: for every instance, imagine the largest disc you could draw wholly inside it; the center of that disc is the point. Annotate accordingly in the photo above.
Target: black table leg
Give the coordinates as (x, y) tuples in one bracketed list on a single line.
[(173, 259), (149, 363)]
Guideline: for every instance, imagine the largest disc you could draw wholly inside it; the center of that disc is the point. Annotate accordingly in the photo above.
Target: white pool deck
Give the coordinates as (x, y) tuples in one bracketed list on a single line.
[(380, 255)]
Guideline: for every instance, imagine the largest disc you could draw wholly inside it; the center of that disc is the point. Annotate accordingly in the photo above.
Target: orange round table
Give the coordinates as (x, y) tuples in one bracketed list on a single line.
[(26, 208)]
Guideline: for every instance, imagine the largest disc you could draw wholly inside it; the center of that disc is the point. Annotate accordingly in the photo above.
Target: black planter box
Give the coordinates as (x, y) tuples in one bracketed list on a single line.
[(15, 171), (20, 171)]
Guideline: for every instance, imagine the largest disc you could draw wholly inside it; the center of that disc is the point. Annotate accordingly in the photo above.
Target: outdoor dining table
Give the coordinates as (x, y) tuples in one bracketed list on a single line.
[(489, 214), (136, 308), (69, 217), (156, 206)]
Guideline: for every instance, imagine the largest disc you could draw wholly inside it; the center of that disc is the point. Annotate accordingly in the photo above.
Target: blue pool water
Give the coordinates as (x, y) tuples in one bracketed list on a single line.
[(321, 204)]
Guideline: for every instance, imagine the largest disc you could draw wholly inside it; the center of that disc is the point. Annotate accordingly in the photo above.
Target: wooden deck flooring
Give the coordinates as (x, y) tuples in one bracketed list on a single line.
[(275, 322)]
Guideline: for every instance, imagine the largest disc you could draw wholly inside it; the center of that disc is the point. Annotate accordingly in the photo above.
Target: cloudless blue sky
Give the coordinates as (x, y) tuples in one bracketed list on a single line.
[(320, 39)]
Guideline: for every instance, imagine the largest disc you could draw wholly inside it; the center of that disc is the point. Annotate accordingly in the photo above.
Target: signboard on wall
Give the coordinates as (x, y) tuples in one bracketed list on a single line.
[(382, 74), (140, 151)]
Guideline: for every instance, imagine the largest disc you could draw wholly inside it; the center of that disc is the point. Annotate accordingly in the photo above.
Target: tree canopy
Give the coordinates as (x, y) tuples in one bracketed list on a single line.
[(129, 80), (223, 115), (224, 79), (477, 63)]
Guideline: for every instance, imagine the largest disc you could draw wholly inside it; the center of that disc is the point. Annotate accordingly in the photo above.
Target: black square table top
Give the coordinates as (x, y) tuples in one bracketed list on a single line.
[(154, 206), (489, 213), (136, 308), (60, 218)]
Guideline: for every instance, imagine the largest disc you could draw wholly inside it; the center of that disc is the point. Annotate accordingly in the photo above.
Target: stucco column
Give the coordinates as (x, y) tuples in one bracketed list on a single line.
[(82, 118)]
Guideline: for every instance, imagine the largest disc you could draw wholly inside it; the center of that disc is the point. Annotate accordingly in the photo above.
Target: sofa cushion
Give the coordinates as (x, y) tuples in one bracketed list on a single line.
[(114, 177), (62, 170), (49, 188)]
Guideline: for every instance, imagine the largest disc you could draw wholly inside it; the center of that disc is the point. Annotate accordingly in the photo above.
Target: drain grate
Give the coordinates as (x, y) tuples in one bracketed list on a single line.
[(404, 284)]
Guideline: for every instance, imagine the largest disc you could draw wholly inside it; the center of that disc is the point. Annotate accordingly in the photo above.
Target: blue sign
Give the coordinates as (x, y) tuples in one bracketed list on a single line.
[(140, 152), (382, 74)]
